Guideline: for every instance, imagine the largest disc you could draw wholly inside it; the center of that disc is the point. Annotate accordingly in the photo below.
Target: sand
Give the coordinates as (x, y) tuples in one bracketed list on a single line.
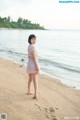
[(56, 101)]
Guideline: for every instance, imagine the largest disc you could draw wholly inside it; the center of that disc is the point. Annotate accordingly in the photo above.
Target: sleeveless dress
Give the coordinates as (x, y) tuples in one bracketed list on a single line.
[(31, 67)]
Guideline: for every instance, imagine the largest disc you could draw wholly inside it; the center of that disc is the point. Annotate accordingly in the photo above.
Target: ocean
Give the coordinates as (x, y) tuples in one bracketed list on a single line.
[(58, 52)]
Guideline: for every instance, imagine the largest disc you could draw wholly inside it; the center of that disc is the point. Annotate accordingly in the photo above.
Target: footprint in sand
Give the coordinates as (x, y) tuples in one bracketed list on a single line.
[(39, 107), (49, 112)]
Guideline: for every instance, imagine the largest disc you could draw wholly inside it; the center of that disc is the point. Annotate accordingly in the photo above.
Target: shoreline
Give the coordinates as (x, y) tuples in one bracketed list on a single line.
[(64, 68), (19, 29), (56, 101), (43, 72)]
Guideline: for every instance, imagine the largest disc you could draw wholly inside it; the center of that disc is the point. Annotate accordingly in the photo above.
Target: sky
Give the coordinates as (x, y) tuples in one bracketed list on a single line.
[(48, 13)]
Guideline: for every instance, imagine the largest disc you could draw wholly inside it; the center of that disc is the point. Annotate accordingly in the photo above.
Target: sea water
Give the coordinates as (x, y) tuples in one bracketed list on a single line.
[(58, 51)]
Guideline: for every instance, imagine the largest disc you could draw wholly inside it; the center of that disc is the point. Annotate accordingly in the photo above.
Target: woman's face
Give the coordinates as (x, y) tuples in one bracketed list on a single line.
[(33, 40)]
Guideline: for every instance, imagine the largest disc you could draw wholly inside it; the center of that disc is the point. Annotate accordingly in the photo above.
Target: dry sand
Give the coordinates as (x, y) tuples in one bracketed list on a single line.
[(56, 101)]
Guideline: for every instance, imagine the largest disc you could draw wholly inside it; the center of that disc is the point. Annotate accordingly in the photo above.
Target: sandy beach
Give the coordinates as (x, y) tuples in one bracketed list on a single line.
[(56, 101)]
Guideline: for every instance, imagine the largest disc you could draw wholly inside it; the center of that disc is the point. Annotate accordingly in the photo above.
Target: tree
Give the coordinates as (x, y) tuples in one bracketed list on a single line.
[(20, 20), (21, 23), (8, 19)]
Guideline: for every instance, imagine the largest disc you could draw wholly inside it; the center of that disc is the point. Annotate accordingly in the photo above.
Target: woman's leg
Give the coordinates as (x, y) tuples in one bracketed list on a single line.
[(35, 82), (29, 84)]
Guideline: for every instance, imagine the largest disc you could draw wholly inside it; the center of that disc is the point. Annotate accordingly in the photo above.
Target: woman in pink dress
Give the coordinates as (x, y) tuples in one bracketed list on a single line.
[(33, 68)]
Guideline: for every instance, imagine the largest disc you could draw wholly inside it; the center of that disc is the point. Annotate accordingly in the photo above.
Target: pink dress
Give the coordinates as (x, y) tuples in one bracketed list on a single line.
[(31, 67)]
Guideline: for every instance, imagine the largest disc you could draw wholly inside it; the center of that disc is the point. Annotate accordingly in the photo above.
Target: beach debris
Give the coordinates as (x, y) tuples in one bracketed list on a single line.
[(22, 60), (74, 87), (21, 66)]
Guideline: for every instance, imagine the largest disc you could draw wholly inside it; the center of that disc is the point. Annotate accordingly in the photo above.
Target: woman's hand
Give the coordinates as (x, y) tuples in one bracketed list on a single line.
[(38, 70)]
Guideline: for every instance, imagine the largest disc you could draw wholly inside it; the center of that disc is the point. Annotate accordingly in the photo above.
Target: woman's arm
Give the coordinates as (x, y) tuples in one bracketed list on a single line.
[(29, 55), (35, 59)]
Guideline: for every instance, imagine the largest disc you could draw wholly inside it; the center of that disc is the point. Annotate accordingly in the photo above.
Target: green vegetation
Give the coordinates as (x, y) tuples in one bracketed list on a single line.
[(21, 23)]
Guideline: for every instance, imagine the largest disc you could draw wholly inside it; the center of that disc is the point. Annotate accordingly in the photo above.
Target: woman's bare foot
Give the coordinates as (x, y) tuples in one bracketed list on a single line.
[(29, 93), (35, 97)]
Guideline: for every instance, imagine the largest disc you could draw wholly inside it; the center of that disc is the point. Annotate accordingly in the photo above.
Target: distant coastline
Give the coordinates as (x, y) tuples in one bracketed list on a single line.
[(7, 22), (64, 29)]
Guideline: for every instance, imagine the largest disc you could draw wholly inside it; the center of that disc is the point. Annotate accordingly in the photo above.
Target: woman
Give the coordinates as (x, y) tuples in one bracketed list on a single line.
[(33, 68)]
